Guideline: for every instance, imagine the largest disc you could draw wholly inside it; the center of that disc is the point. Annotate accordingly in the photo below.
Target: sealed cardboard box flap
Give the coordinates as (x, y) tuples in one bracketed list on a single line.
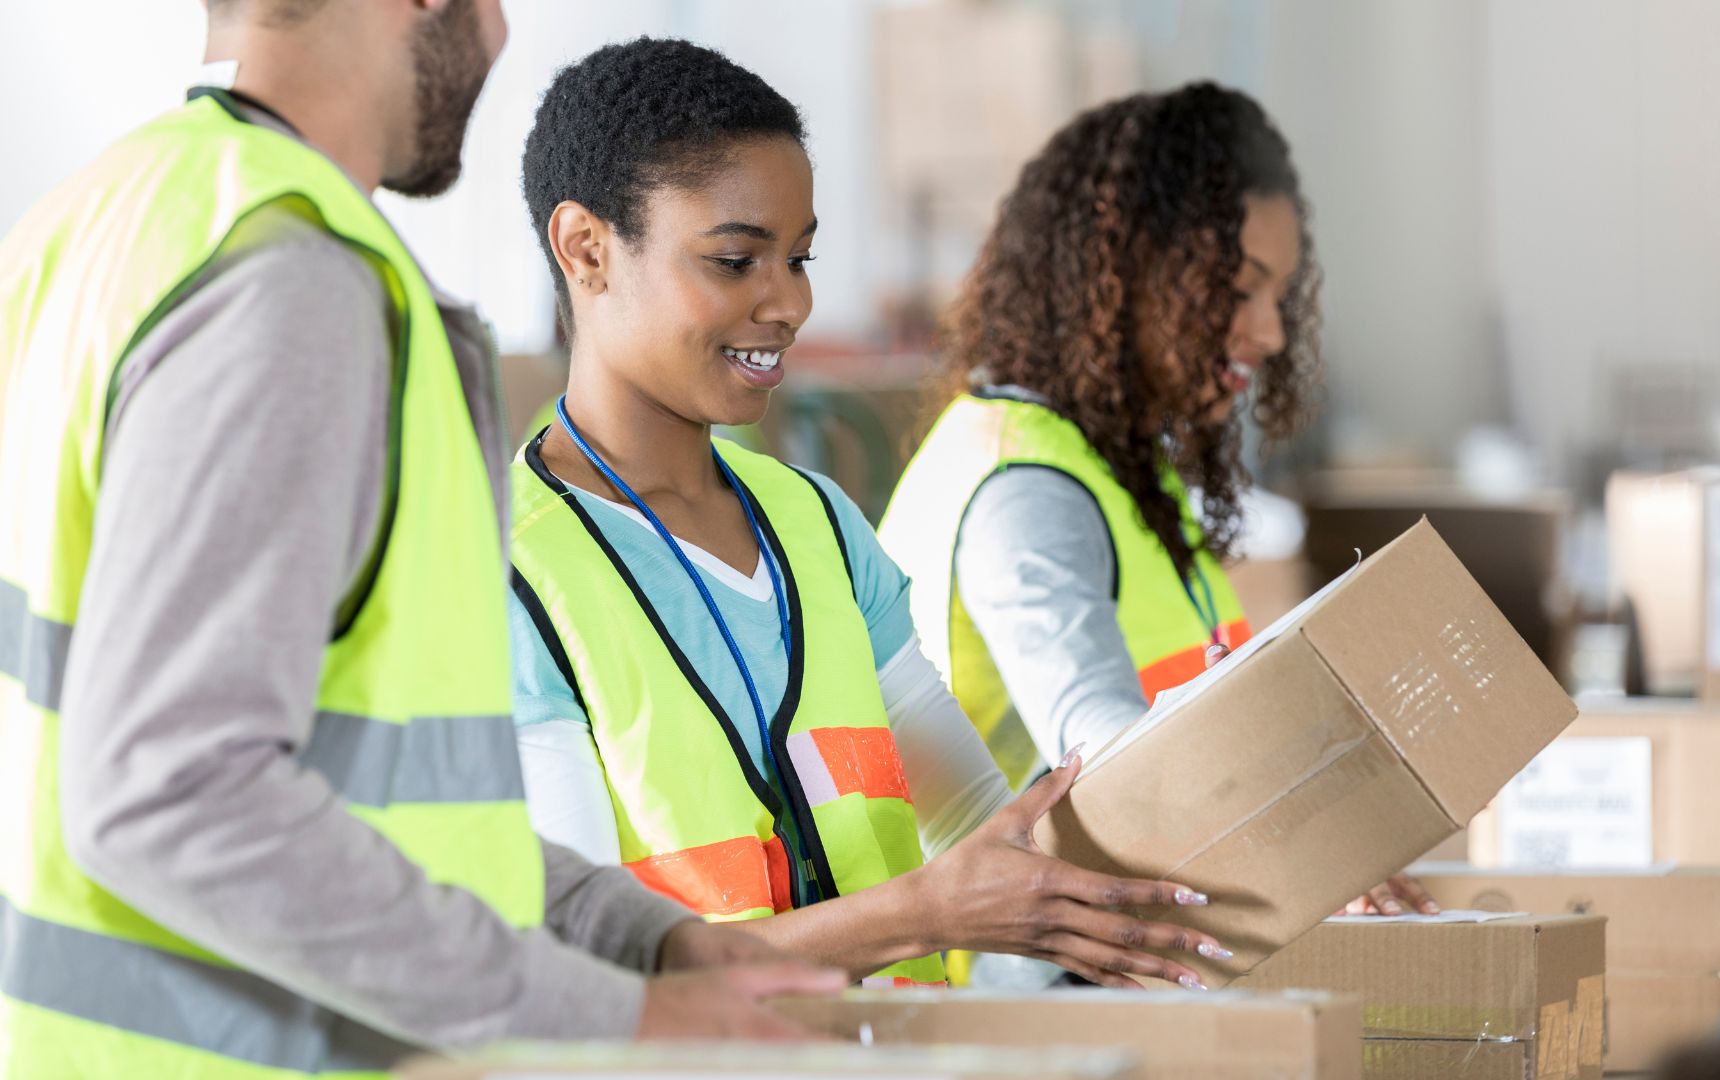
[(1427, 655)]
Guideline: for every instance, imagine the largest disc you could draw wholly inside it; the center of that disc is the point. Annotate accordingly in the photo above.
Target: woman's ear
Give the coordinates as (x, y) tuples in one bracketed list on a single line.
[(581, 242)]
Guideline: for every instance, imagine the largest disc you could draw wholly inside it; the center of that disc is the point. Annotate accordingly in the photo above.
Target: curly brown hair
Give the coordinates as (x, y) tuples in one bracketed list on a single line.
[(1109, 271)]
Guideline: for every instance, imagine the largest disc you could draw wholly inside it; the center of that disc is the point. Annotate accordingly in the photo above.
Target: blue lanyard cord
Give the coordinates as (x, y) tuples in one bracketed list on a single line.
[(1209, 613), (686, 564)]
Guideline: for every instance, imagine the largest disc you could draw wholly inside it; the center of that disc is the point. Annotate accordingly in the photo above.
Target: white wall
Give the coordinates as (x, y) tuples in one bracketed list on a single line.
[(1604, 164), (75, 74)]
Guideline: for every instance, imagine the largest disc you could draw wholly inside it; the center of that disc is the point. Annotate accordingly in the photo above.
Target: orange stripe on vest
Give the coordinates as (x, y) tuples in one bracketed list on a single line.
[(1180, 667), (833, 762), (725, 878)]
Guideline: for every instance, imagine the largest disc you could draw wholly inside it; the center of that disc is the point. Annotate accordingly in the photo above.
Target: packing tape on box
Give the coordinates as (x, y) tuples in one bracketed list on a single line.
[(1441, 1022), (1570, 1034)]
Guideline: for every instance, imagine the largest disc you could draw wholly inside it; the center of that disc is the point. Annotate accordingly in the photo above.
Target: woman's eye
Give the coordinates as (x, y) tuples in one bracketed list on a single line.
[(797, 263), (733, 266)]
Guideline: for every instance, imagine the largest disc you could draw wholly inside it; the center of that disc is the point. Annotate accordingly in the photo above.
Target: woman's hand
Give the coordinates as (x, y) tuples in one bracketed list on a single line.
[(996, 891), (1390, 897)]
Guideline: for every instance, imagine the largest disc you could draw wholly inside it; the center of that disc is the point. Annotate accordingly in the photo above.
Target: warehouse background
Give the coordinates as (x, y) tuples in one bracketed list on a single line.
[(1515, 208)]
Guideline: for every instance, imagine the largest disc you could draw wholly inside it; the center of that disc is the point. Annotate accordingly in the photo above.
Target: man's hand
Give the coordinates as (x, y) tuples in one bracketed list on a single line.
[(728, 1002), (697, 944)]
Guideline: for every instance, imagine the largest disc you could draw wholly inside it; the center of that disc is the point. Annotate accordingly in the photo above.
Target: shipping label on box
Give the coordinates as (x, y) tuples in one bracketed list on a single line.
[(1356, 735), (1581, 802)]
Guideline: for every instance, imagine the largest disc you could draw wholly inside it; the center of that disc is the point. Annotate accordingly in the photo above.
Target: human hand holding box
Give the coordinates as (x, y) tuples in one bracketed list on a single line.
[(1352, 737)]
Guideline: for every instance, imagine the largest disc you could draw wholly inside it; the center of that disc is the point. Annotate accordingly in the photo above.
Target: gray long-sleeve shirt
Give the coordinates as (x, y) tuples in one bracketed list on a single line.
[(241, 493), (1034, 565)]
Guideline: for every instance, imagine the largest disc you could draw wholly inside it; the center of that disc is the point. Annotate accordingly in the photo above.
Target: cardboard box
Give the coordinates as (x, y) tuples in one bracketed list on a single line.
[(1511, 547), (1651, 1014), (1227, 1035), (1663, 535), (769, 1061), (1663, 942), (1466, 978), (1630, 783), (1325, 755)]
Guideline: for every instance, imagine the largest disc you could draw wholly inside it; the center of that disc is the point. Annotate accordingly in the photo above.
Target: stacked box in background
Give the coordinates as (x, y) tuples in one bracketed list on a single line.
[(1663, 534), (1325, 755), (1663, 942), (1632, 782), (1228, 1035), (1462, 994)]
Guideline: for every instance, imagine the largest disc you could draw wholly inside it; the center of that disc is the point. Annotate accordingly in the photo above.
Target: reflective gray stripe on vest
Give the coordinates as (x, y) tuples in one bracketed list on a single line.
[(32, 649), (432, 759), (368, 762), (121, 984)]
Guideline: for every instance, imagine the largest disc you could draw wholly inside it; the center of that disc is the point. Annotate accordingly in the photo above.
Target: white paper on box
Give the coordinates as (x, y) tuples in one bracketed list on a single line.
[(1582, 802), (1455, 915)]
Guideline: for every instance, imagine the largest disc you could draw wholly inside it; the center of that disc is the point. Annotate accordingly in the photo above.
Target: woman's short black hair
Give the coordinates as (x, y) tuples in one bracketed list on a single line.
[(634, 117)]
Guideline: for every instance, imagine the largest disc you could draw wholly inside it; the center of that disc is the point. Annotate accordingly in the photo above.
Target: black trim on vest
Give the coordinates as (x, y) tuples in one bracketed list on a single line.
[(835, 527), (528, 598), (1116, 561), (785, 712), (761, 789), (353, 601), (230, 100)]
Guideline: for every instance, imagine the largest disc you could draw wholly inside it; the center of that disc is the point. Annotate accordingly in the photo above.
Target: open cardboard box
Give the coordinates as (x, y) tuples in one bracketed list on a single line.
[(1330, 752), (1228, 1035)]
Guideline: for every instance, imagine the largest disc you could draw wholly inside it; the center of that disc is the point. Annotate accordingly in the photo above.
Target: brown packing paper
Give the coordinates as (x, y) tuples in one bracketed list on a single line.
[(1228, 1035), (1371, 728), (769, 1061), (1537, 980)]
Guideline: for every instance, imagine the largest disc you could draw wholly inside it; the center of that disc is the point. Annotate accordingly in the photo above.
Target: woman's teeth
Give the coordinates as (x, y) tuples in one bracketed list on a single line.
[(757, 359), (1241, 371)]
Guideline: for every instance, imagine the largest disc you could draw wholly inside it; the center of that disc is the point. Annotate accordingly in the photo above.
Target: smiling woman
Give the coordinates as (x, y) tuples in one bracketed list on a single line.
[(717, 680)]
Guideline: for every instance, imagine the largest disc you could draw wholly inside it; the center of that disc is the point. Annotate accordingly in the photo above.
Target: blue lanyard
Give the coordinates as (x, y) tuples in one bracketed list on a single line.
[(1209, 613), (698, 582)]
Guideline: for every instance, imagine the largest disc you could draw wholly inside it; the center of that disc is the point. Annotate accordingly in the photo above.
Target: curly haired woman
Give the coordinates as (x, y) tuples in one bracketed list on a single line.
[(1151, 269)]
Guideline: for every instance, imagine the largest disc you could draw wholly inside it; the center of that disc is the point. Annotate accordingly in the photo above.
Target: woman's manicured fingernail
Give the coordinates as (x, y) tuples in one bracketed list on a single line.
[(1392, 907), (1189, 982), (1213, 952), (1190, 898), (1216, 652), (1432, 908), (1069, 758)]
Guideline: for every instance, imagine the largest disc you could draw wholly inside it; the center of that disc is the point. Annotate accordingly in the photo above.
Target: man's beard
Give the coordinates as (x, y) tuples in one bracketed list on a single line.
[(450, 67)]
